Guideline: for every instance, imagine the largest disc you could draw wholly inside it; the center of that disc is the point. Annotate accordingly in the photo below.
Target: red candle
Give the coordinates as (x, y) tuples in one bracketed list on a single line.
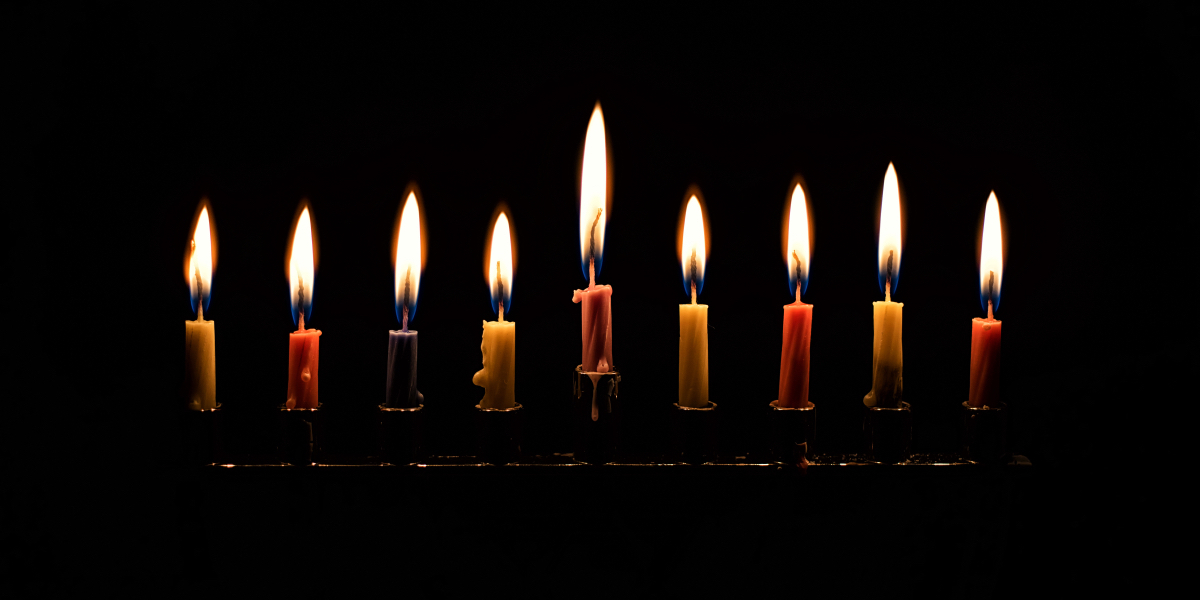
[(797, 317), (304, 344), (593, 212), (985, 333)]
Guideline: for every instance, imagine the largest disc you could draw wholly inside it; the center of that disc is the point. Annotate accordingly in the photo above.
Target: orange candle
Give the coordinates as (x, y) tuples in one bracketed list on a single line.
[(304, 344), (985, 333), (797, 317)]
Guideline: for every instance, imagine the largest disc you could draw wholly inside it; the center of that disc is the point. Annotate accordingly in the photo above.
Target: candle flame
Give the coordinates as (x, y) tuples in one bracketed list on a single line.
[(500, 263), (889, 231), (798, 246), (593, 193), (302, 266), (408, 258), (201, 257), (693, 249), (991, 254)]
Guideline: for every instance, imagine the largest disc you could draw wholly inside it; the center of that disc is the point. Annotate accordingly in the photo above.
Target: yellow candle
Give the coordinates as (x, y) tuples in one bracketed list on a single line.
[(693, 318), (498, 375), (887, 363), (499, 347), (200, 351)]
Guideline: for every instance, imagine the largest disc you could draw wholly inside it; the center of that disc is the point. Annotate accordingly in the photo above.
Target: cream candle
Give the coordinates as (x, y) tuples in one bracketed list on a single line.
[(200, 338), (985, 333), (304, 345), (693, 318), (499, 347), (887, 363), (593, 213), (797, 317), (402, 344)]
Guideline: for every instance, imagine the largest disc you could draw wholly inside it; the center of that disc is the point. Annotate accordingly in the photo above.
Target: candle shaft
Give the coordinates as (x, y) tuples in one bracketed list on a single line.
[(304, 348), (693, 355), (498, 375), (596, 302), (887, 364), (402, 370), (794, 359), (985, 363), (200, 364)]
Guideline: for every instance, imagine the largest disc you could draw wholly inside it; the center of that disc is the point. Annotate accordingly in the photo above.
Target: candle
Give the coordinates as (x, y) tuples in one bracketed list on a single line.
[(887, 364), (499, 347), (304, 344), (402, 344), (797, 317), (596, 299), (693, 318), (985, 333), (200, 354)]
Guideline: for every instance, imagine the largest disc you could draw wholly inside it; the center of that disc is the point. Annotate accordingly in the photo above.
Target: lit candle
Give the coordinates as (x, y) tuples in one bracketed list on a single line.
[(304, 344), (593, 205), (499, 347), (200, 355), (985, 333), (887, 365), (693, 318), (402, 344), (797, 317)]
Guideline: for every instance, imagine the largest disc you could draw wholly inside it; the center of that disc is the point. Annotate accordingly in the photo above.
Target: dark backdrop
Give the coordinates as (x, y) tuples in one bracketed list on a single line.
[(126, 117)]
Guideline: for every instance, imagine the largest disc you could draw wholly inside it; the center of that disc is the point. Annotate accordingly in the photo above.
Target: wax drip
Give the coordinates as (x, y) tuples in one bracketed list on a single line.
[(500, 291), (799, 275), (693, 273), (991, 292)]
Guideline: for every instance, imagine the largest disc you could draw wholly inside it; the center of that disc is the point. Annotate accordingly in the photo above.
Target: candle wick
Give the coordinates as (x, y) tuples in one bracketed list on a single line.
[(404, 324), (199, 289), (301, 321), (406, 298), (887, 290), (693, 273), (592, 249), (693, 291), (799, 275), (500, 290), (300, 301), (991, 292)]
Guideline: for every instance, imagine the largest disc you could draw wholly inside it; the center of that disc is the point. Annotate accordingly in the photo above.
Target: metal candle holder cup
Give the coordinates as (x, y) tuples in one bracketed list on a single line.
[(888, 433), (984, 433), (793, 431), (595, 416), (400, 434), (300, 434), (498, 434), (693, 434), (202, 436)]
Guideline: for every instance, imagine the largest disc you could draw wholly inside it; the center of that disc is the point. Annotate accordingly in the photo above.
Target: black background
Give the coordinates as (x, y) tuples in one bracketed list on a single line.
[(126, 117)]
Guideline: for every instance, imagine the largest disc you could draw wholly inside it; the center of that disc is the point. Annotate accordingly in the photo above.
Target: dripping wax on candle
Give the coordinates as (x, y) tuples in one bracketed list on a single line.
[(498, 348)]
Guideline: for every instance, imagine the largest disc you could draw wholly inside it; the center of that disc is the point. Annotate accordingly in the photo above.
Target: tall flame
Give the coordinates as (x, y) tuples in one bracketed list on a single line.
[(408, 259), (692, 248), (889, 230), (302, 266), (500, 263), (593, 193), (991, 254), (798, 245), (200, 262)]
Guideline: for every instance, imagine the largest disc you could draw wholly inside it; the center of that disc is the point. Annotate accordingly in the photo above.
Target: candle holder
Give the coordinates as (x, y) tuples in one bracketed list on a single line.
[(693, 434), (400, 434), (498, 434), (793, 432), (300, 434), (595, 416), (984, 433), (202, 436), (888, 433)]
